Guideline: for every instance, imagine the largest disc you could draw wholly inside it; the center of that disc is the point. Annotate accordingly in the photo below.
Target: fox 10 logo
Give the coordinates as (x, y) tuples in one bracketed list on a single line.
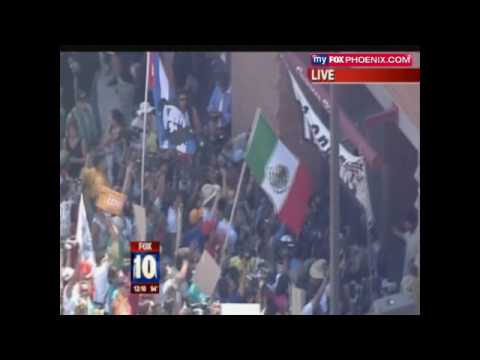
[(145, 267)]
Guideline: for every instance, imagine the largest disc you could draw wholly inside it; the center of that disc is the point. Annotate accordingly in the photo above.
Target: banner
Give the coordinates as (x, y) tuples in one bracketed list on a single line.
[(177, 130), (161, 87), (111, 201), (83, 235), (352, 168)]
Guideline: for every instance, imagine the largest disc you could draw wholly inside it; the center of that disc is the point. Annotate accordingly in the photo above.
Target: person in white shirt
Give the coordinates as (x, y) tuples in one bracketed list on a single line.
[(409, 236), (100, 281), (318, 291)]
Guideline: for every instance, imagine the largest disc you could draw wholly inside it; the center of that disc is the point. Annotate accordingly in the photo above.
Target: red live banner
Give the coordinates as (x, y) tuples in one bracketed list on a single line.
[(321, 75)]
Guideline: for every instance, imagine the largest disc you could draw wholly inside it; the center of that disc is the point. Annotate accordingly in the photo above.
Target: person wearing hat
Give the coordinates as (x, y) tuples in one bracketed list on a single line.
[(144, 108), (79, 290), (137, 128), (209, 196), (317, 292)]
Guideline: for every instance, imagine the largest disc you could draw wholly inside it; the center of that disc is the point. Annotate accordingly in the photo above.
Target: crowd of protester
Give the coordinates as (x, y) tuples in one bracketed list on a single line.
[(260, 259)]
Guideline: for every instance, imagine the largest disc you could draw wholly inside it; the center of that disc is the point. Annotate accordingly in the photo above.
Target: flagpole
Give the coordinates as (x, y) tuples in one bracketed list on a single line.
[(334, 202), (370, 255), (239, 185), (145, 126)]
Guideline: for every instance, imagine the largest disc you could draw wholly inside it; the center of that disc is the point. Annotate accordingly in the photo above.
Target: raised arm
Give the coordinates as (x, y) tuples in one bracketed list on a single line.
[(215, 204), (318, 295)]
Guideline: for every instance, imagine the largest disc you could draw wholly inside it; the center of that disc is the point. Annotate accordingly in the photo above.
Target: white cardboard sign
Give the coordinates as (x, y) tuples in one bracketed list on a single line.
[(207, 274), (240, 309)]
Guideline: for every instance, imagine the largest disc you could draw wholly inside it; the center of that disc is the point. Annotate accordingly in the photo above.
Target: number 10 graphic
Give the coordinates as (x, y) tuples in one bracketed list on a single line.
[(144, 267)]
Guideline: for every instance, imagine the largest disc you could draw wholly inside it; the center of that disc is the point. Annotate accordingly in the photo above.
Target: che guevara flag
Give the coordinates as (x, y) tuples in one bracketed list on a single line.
[(280, 173), (161, 85), (169, 119)]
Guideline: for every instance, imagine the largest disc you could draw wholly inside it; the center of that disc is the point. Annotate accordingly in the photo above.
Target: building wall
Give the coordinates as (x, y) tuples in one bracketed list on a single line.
[(254, 84)]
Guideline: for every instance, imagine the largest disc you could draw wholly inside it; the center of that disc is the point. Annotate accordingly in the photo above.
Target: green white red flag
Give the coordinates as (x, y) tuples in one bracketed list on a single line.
[(282, 176)]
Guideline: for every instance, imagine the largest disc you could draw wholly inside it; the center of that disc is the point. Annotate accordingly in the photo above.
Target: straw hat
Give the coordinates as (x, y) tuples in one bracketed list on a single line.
[(318, 269), (145, 107), (208, 192)]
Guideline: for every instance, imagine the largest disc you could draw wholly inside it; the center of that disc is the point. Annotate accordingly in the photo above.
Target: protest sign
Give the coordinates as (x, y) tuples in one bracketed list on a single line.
[(240, 309), (111, 201), (207, 274)]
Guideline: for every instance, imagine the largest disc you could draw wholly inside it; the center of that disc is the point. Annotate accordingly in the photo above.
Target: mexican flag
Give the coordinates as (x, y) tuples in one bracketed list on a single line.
[(282, 176)]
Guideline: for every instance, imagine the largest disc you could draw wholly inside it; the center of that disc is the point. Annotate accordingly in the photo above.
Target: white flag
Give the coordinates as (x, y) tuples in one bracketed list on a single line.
[(83, 235), (352, 168)]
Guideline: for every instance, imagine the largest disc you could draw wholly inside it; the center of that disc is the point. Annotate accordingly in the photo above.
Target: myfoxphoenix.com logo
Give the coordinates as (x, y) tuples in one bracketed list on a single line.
[(362, 59)]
